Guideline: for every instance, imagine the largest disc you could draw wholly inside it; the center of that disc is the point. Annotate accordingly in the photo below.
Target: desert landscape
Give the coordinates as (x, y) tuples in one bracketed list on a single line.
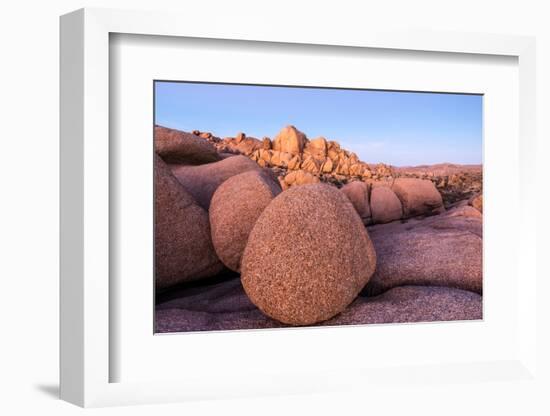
[(296, 231)]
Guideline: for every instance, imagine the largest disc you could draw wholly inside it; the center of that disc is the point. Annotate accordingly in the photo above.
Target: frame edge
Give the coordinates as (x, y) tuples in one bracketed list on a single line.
[(71, 218)]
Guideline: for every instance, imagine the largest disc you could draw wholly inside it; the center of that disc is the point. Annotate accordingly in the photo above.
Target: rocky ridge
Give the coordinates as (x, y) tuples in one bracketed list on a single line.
[(323, 160), (291, 150)]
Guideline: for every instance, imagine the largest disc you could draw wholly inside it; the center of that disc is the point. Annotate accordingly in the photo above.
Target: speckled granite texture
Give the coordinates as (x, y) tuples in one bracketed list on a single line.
[(308, 255), (225, 306)]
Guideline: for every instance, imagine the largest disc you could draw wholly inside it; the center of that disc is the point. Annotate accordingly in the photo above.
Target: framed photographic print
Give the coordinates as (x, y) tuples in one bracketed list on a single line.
[(236, 251), (290, 213)]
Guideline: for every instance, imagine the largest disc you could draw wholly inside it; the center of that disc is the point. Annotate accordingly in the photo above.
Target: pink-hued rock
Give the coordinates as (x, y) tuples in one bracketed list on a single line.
[(464, 211), (311, 165), (343, 168), (412, 304), (240, 137), (443, 250), (202, 181), (225, 306), (234, 209), (248, 145), (183, 246), (418, 196), (295, 162), (317, 148), (290, 140), (266, 143), (328, 165), (358, 193), (379, 182), (175, 146), (477, 202), (281, 159), (461, 219), (308, 255), (384, 205), (298, 177)]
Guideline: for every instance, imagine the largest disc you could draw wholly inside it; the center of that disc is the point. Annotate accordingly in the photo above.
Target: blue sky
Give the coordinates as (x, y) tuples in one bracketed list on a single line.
[(399, 128)]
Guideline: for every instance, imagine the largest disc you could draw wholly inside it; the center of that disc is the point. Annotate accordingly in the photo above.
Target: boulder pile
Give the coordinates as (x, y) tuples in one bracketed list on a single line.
[(297, 160), (291, 150), (400, 199)]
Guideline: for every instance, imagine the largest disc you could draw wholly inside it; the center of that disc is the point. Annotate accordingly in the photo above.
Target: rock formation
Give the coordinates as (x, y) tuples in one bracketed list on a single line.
[(290, 140), (202, 181), (298, 177), (183, 246), (412, 304), (417, 196), (225, 306), (308, 256), (272, 210), (292, 150), (331, 164), (477, 202), (234, 209), (358, 193), (175, 146), (445, 250), (385, 206)]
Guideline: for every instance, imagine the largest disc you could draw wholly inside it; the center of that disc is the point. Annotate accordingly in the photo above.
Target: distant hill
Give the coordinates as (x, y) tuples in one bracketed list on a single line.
[(439, 169)]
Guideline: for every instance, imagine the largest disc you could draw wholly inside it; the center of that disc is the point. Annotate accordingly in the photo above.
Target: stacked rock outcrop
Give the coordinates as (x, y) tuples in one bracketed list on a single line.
[(292, 150), (297, 160)]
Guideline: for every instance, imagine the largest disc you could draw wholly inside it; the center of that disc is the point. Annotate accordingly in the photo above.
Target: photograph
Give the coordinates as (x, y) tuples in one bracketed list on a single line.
[(304, 206)]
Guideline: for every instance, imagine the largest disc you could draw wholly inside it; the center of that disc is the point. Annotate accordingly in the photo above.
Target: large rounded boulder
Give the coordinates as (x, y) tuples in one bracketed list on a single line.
[(234, 209), (418, 196), (358, 194), (175, 146), (202, 181), (384, 205), (183, 246), (308, 256), (443, 250)]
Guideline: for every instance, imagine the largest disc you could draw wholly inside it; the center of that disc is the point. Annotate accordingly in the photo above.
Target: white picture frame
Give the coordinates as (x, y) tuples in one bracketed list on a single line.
[(86, 291)]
